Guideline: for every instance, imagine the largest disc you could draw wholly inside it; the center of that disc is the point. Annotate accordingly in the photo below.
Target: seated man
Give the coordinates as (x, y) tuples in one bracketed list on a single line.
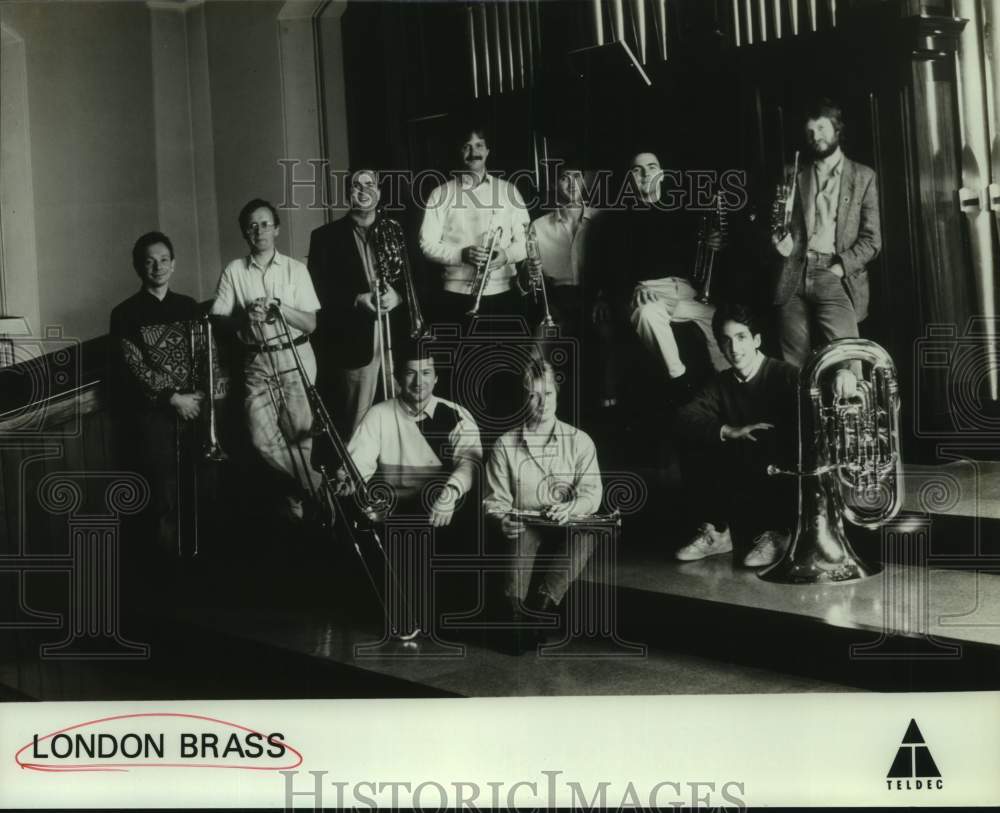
[(646, 259), (746, 418), (417, 440), (543, 466)]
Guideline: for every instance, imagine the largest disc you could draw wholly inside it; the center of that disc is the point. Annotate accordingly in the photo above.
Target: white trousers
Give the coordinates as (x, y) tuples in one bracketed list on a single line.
[(675, 302)]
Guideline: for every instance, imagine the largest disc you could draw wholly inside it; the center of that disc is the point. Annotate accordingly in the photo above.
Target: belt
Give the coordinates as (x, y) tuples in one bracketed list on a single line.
[(819, 255), (274, 348)]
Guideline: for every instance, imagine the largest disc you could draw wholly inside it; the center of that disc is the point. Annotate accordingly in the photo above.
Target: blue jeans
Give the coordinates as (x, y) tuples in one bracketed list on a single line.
[(821, 303)]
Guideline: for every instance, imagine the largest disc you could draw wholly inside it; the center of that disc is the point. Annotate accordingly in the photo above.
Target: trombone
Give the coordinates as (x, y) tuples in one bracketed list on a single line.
[(199, 332), (367, 509), (392, 264), (211, 449)]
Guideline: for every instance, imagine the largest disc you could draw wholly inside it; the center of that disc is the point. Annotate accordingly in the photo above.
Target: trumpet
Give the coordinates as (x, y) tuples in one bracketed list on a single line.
[(366, 510), (392, 265), (537, 281), (784, 203), (704, 261), (538, 519), (491, 237)]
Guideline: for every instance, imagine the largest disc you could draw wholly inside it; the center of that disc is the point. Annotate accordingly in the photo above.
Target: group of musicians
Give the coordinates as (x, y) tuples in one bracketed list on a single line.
[(603, 274)]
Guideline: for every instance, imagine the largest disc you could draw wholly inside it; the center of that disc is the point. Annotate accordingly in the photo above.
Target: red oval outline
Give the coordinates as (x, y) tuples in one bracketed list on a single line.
[(124, 767)]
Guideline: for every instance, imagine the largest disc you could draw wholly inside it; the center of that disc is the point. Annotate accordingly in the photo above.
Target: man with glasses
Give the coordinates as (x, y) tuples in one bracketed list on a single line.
[(348, 345), (251, 290)]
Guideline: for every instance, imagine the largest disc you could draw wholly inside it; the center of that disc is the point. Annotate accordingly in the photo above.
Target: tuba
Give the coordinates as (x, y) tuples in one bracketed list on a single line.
[(392, 265), (849, 465)]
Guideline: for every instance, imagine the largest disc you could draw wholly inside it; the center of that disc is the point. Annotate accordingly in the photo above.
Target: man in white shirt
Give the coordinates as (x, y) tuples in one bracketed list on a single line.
[(562, 238), (417, 442), (459, 217), (250, 290)]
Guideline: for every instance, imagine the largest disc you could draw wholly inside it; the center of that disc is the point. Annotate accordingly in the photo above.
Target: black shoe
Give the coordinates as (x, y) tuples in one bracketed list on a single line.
[(521, 637), (543, 604)]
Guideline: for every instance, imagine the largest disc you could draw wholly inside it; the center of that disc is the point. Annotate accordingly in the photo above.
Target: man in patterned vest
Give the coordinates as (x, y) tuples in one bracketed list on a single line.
[(418, 442)]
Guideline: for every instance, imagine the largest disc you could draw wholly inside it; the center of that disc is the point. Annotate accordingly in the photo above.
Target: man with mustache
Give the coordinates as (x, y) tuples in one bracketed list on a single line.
[(821, 285), (455, 232), (343, 270), (154, 399)]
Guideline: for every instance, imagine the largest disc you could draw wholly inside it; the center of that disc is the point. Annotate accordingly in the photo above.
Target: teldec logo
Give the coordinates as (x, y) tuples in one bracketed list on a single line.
[(914, 767)]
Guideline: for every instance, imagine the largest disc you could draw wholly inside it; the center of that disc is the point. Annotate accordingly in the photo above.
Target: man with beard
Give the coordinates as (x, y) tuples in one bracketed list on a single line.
[(459, 216), (348, 345), (822, 280)]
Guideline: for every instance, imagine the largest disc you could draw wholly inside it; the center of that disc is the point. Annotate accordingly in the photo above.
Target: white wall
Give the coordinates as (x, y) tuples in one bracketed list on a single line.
[(167, 115)]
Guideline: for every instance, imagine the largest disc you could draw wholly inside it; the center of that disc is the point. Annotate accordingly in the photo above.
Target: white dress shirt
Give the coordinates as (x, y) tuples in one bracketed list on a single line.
[(244, 280), (561, 248)]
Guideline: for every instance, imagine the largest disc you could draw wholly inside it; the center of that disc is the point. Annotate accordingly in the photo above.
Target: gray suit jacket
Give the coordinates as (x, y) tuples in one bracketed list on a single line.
[(858, 239)]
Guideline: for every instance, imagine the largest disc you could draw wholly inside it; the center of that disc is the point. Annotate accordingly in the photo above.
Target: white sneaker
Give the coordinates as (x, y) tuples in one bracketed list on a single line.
[(767, 549), (707, 542)]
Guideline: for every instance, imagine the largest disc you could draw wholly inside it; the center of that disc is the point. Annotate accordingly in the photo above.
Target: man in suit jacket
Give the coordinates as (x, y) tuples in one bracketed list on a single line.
[(342, 265), (833, 235)]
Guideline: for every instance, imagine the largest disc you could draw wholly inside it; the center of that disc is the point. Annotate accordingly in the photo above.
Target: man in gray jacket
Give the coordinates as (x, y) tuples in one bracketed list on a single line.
[(821, 283)]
